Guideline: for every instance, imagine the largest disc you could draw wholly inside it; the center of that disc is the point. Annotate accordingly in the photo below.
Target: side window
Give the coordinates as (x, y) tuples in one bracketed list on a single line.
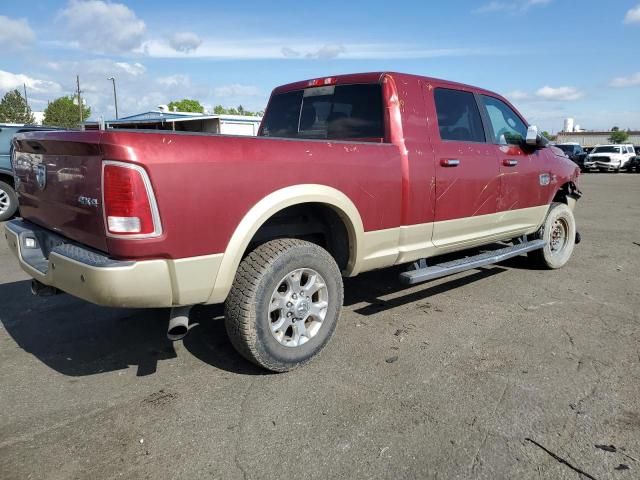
[(508, 129), (458, 116)]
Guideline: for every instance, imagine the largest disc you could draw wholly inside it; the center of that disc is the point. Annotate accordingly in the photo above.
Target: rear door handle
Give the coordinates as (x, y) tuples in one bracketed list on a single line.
[(449, 162), (509, 162)]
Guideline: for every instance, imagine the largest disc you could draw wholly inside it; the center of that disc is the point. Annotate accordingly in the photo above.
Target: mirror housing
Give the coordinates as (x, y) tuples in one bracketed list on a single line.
[(534, 139)]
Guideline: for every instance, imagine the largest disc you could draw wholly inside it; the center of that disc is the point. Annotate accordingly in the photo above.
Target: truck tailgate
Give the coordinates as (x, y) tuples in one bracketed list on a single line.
[(59, 176)]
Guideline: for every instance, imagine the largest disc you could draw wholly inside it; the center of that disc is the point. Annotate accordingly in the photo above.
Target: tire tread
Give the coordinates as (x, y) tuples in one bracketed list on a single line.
[(240, 316)]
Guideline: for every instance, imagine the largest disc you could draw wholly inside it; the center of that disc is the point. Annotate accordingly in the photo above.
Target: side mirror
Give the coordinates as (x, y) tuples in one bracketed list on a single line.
[(534, 139)]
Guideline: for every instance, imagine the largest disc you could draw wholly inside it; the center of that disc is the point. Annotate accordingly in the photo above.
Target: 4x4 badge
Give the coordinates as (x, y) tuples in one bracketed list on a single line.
[(41, 175)]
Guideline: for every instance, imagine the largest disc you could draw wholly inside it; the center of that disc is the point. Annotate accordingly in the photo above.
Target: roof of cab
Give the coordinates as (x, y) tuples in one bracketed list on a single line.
[(375, 77)]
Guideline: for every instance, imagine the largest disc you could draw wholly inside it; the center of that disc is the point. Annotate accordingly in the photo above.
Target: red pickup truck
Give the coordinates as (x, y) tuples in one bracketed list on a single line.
[(347, 174)]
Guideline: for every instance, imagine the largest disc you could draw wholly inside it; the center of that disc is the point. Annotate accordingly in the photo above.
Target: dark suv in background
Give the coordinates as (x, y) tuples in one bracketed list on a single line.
[(8, 199), (574, 152), (634, 163)]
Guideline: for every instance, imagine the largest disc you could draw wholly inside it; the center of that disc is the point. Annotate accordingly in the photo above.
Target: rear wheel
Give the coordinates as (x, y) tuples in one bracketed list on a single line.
[(8, 202), (559, 233), (284, 304)]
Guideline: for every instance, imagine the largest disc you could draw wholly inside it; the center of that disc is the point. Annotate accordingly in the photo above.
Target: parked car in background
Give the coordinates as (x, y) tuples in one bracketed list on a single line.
[(574, 151), (634, 163), (8, 198), (346, 175), (609, 158)]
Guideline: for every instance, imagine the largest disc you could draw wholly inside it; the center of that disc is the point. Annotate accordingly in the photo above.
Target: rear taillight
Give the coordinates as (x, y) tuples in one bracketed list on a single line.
[(130, 208)]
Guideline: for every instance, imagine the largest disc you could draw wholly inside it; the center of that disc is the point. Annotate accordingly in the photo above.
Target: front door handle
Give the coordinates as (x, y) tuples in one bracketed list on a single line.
[(449, 162), (509, 162)]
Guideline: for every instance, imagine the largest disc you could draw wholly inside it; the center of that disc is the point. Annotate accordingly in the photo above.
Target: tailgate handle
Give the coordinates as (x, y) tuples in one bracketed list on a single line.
[(510, 162), (449, 162)]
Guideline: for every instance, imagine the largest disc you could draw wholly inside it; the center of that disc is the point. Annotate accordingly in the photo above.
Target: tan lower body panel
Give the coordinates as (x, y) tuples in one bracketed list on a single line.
[(142, 284), (188, 281), (384, 248)]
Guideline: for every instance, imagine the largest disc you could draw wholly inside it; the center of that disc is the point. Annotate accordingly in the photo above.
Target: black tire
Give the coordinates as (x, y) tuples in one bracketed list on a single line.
[(8, 202), (547, 257), (247, 314)]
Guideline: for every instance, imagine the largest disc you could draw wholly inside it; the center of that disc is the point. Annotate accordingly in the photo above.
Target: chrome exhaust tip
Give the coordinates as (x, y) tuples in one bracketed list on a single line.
[(179, 323)]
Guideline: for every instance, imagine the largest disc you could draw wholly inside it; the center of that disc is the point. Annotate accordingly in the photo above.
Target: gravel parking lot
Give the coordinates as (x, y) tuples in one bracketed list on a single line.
[(472, 376)]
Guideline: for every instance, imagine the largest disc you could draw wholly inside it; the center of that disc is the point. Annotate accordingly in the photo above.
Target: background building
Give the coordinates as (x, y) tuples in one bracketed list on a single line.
[(186, 122), (591, 139)]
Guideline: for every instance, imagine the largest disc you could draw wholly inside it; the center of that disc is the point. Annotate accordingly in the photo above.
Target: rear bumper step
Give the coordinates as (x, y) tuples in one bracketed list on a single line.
[(57, 264), (468, 263)]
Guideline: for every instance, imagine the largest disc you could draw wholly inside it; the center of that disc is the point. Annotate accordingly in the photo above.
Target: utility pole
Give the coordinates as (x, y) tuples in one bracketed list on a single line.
[(26, 100), (79, 100), (115, 96)]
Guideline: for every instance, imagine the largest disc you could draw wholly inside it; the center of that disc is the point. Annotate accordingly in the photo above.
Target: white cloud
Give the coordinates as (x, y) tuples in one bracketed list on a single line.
[(273, 49), (514, 6), (517, 95), (327, 52), (185, 41), (630, 81), (175, 80), (9, 81), (236, 90), (290, 52), (559, 93), (15, 33), (133, 69), (633, 15), (102, 26)]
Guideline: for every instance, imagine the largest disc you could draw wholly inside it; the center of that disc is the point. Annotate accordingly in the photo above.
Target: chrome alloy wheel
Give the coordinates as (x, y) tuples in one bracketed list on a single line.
[(5, 202), (558, 239), (298, 307)]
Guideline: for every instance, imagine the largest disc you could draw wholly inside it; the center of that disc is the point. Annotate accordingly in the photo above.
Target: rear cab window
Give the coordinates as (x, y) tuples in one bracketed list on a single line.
[(338, 112), (458, 116)]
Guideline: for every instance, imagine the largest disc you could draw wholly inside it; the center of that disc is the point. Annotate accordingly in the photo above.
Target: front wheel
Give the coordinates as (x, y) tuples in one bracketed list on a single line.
[(559, 234), (8, 202), (284, 304)]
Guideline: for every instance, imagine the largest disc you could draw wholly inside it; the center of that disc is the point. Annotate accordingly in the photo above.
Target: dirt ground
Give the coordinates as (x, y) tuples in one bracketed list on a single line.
[(472, 376)]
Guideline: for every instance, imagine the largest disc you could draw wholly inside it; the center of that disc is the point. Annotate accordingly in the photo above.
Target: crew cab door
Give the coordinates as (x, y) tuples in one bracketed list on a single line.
[(467, 171), (520, 168)]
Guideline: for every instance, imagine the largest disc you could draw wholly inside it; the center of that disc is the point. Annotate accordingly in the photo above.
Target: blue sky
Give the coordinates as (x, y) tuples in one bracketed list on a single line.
[(552, 58)]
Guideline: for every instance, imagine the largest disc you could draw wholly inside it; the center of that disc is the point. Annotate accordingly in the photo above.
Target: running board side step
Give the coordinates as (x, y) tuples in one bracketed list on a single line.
[(468, 263)]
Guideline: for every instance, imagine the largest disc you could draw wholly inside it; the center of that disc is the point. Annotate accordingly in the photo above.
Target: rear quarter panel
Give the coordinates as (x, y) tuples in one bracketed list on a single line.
[(205, 184)]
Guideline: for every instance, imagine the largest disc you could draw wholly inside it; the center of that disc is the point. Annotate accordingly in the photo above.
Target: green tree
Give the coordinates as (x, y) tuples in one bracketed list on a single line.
[(618, 136), (64, 112), (239, 110), (549, 136), (14, 109), (186, 105)]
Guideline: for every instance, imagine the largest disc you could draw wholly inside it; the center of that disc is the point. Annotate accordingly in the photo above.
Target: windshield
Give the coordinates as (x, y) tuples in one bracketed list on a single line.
[(337, 112), (606, 150), (566, 148), (6, 134)]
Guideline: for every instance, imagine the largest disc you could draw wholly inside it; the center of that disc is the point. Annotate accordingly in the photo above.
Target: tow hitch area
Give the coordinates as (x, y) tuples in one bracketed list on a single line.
[(39, 289)]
